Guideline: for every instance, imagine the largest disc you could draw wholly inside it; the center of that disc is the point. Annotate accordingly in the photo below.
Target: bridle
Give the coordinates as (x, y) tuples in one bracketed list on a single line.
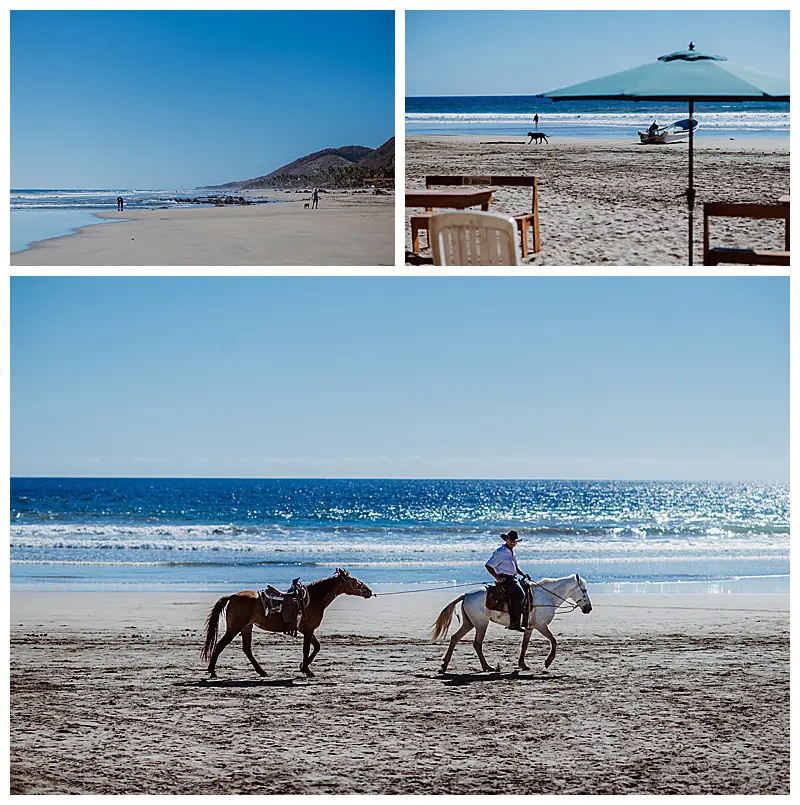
[(584, 593), (358, 587), (574, 605)]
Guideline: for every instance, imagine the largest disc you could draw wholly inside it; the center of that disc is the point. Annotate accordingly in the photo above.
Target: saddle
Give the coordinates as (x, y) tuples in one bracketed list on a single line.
[(497, 599), (291, 604)]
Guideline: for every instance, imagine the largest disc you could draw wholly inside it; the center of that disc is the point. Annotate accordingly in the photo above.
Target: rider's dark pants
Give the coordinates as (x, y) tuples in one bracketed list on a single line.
[(516, 596)]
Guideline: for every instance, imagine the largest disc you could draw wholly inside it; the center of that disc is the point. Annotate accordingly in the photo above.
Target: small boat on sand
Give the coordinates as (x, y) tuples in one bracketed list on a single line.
[(674, 133)]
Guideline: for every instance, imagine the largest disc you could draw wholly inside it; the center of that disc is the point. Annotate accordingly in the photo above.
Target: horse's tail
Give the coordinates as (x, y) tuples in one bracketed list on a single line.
[(212, 623), (445, 618)]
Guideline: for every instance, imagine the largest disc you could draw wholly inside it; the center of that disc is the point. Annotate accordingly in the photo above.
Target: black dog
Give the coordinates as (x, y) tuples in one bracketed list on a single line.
[(535, 135)]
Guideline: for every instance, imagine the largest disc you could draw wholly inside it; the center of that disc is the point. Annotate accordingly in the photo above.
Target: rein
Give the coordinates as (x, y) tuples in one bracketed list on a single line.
[(432, 589)]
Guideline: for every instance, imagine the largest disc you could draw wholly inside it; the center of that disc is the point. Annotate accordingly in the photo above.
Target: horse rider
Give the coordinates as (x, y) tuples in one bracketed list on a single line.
[(504, 567)]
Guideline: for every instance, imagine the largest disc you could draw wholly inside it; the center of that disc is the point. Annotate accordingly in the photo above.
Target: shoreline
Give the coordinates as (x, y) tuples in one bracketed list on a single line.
[(710, 142), (675, 699), (350, 228), (710, 590)]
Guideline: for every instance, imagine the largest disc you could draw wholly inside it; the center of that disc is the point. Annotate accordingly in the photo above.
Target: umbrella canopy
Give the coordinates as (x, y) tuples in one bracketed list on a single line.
[(686, 75), (683, 76)]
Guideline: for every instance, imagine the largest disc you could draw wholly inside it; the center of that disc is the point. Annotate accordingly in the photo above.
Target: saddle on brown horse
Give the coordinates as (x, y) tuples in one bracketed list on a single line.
[(291, 604), (497, 599)]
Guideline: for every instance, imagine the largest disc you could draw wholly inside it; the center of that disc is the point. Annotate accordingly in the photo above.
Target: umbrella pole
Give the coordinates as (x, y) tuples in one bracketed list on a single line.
[(690, 189)]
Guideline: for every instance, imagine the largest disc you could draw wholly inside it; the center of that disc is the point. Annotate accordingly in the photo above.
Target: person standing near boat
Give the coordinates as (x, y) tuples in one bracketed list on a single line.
[(653, 128), (504, 567)]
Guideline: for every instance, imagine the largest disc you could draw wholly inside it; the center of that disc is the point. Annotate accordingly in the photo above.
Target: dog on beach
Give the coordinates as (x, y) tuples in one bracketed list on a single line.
[(305, 206), (538, 136)]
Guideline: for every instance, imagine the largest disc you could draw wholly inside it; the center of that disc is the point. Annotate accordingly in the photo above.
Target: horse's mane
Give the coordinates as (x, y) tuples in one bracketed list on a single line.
[(319, 581), (552, 581)]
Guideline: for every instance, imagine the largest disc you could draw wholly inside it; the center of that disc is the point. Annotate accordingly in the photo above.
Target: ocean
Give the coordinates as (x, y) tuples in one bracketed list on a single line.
[(41, 214), (191, 534), (513, 115)]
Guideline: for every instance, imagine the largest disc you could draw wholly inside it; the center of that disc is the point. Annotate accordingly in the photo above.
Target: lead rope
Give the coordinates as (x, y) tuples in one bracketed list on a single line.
[(484, 584)]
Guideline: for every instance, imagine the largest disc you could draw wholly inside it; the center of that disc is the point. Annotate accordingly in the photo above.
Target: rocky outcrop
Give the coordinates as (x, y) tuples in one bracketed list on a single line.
[(220, 201)]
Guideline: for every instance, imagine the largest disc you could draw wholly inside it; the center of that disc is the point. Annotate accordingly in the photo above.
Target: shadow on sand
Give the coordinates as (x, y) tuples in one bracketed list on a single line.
[(240, 683), (492, 676)]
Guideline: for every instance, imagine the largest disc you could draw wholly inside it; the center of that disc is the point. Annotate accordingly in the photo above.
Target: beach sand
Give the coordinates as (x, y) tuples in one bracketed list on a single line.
[(615, 202), (348, 229), (648, 694)]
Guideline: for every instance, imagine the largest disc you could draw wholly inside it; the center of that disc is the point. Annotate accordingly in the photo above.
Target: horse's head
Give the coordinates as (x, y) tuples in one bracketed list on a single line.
[(351, 585), (580, 596)]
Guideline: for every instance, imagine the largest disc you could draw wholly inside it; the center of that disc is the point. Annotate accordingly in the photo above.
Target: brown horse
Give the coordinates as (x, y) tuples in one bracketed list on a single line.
[(244, 610)]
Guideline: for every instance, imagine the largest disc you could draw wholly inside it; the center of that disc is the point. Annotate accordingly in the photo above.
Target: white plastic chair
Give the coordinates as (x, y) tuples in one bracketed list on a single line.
[(474, 239)]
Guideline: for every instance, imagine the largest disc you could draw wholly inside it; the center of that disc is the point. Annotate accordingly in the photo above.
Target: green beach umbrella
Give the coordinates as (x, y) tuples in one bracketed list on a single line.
[(686, 75)]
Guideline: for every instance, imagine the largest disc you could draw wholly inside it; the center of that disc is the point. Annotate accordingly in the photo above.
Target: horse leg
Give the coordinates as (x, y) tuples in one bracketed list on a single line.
[(308, 655), (247, 643), (549, 635), (466, 626), (314, 649), (238, 616), (226, 638), (480, 633), (526, 639)]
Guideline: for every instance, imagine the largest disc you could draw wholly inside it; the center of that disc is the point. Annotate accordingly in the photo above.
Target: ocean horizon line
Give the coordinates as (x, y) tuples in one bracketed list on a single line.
[(393, 478)]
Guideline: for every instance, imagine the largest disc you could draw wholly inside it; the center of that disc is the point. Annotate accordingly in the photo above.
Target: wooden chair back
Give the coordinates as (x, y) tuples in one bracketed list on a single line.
[(739, 210)]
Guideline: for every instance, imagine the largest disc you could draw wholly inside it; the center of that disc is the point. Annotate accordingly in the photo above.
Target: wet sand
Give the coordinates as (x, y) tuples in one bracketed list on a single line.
[(348, 229), (616, 202), (648, 694)]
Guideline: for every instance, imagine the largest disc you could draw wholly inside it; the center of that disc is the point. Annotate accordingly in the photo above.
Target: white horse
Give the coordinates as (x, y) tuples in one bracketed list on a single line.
[(548, 595)]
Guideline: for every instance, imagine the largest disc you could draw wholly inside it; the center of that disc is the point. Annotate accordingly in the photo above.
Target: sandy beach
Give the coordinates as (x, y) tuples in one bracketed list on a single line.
[(349, 228), (682, 694), (615, 202)]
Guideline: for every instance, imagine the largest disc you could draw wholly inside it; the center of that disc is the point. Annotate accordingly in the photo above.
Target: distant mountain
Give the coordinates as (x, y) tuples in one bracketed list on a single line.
[(332, 167), (381, 159)]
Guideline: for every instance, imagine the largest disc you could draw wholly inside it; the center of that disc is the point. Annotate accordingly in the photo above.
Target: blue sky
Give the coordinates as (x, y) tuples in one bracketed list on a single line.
[(528, 52), (149, 100), (641, 378)]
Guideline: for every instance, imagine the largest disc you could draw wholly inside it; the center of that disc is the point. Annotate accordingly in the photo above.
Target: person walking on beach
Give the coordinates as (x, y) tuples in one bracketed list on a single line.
[(504, 567), (314, 199), (536, 121), (120, 203)]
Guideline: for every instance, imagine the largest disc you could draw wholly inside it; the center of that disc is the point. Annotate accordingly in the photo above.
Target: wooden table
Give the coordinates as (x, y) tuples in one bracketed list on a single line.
[(455, 199)]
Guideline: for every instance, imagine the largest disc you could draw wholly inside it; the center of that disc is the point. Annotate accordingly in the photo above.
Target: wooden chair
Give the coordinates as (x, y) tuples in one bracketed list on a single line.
[(524, 221), (473, 239), (751, 257)]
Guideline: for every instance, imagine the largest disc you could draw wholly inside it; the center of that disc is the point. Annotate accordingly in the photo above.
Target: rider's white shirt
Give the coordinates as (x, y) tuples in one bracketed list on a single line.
[(503, 560)]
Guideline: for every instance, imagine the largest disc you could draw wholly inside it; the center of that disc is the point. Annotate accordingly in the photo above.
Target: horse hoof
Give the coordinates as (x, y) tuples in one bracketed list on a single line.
[(524, 668)]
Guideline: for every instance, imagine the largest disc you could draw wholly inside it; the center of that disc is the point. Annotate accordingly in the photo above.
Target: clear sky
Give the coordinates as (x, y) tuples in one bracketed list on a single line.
[(528, 52), (172, 100), (638, 378)]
